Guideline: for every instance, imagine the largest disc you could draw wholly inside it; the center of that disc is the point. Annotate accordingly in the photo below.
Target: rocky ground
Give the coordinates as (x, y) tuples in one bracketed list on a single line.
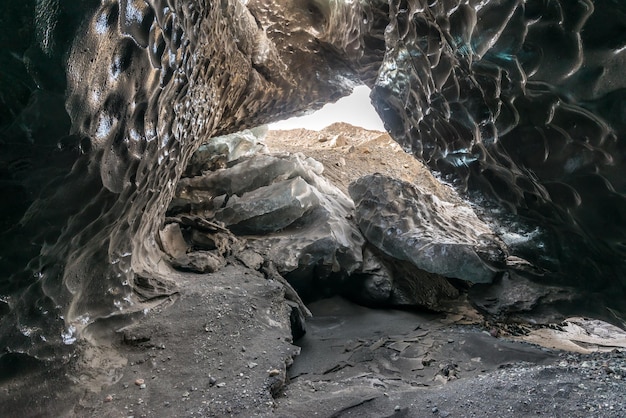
[(223, 345), (224, 348), (232, 359), (348, 153)]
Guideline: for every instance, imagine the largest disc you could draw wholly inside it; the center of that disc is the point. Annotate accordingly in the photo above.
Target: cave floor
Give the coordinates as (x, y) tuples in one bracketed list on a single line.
[(224, 349), (359, 362)]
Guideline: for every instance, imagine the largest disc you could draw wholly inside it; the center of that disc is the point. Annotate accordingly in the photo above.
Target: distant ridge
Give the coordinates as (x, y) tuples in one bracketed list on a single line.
[(334, 128)]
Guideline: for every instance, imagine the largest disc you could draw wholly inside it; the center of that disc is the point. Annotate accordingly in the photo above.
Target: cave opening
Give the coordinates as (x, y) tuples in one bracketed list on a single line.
[(294, 179), (355, 109), (374, 313), (284, 190)]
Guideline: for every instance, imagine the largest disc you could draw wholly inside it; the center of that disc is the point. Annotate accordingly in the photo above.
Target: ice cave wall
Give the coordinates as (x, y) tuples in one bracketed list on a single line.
[(519, 104)]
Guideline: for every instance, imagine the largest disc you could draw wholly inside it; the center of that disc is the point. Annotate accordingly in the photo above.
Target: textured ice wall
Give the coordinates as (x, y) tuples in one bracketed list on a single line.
[(109, 105), (520, 104)]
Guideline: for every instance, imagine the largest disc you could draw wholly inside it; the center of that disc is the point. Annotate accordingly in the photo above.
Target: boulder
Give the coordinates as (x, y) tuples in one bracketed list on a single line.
[(384, 282), (439, 237), (269, 208), (195, 244), (223, 149), (286, 211)]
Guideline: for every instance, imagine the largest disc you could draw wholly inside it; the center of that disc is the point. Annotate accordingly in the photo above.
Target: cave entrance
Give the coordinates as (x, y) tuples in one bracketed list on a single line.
[(349, 139), (284, 191), (355, 109)]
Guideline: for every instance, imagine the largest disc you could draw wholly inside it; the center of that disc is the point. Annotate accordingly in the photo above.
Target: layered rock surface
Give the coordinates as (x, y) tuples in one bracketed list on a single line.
[(285, 211)]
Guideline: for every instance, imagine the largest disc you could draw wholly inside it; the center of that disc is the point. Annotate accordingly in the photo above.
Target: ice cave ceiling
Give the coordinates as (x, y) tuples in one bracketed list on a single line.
[(520, 104)]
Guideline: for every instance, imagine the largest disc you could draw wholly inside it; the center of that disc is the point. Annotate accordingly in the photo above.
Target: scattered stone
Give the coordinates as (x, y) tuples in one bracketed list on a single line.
[(274, 372), (139, 382), (221, 384), (178, 250), (250, 259), (200, 262), (108, 398), (339, 141)]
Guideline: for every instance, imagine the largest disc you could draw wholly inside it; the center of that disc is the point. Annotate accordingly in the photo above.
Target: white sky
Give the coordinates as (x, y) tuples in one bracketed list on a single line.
[(355, 109)]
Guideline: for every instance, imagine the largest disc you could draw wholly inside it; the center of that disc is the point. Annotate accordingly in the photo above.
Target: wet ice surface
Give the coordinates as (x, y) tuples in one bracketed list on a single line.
[(146, 85)]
